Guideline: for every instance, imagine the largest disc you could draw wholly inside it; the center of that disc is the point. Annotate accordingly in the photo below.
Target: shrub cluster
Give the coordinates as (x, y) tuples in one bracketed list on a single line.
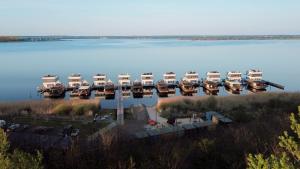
[(77, 109)]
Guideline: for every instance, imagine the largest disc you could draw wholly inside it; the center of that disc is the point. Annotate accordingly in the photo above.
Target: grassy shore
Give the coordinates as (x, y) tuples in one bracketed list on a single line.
[(239, 108), (45, 106)]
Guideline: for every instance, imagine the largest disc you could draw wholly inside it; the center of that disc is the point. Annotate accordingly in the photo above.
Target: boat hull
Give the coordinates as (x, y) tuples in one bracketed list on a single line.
[(211, 86), (258, 85), (233, 87)]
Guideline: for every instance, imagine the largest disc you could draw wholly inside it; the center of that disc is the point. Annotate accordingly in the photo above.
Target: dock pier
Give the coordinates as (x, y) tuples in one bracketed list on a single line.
[(279, 86), (120, 107)]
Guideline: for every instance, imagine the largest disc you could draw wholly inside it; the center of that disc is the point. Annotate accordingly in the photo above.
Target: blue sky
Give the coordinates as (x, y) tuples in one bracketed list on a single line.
[(149, 17)]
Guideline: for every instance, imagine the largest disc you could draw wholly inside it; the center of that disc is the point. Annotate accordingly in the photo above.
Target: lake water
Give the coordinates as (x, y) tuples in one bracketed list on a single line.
[(23, 64)]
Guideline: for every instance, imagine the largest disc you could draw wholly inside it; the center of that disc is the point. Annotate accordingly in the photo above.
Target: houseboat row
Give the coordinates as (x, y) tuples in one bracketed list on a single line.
[(188, 84)]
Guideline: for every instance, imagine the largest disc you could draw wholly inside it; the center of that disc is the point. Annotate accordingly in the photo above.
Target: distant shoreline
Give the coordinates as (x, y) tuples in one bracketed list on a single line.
[(191, 37)]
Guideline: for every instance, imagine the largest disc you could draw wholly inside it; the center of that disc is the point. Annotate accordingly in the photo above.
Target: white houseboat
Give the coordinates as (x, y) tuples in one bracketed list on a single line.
[(170, 78), (75, 81), (99, 81), (137, 89), (186, 87), (212, 81), (254, 79), (162, 88), (124, 80), (84, 90), (50, 81), (233, 80), (109, 90), (191, 77), (51, 86), (147, 79)]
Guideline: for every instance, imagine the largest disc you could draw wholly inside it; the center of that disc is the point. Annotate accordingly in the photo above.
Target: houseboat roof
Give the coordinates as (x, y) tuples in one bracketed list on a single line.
[(84, 87), (109, 81), (84, 83), (124, 75), (254, 71), (50, 77), (213, 73), (147, 74), (191, 72), (99, 74), (169, 73), (234, 72), (74, 76)]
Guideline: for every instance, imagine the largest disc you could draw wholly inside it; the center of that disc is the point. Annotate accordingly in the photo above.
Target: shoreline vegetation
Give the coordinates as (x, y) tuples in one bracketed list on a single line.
[(240, 109), (258, 121), (45, 107), (187, 37)]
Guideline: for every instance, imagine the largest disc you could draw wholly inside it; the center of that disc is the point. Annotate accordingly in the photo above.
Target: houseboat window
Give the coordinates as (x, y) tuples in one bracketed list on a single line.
[(256, 75), (147, 77), (192, 76), (235, 75), (214, 76), (50, 80), (74, 80), (169, 77), (124, 78)]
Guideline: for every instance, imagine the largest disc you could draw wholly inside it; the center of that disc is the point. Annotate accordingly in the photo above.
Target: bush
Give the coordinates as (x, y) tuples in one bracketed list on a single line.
[(62, 109), (84, 109)]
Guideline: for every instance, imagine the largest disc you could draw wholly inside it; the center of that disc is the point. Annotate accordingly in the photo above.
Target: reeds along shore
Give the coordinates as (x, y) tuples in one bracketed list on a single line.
[(238, 108), (40, 106)]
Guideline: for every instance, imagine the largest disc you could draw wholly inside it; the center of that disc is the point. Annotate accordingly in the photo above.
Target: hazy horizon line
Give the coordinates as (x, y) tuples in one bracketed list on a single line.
[(153, 35)]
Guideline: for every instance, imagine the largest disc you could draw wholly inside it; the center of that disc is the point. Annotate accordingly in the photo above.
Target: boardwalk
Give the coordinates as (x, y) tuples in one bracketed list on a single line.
[(120, 107)]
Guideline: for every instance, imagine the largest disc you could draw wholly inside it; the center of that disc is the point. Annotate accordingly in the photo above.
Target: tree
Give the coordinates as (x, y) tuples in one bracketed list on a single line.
[(18, 159), (288, 157)]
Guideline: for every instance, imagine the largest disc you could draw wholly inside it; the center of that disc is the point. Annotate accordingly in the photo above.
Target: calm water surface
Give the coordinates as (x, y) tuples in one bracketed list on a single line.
[(23, 64)]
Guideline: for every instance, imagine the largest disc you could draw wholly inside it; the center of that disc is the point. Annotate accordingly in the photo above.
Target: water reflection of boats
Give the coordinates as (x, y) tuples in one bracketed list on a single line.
[(252, 90), (100, 92), (137, 89), (212, 81), (148, 91), (231, 91), (209, 92), (126, 93), (233, 81), (254, 79), (162, 88), (171, 90), (109, 90), (74, 92)]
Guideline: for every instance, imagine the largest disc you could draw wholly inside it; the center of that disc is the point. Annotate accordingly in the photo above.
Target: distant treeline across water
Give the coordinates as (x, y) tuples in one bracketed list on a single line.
[(189, 37)]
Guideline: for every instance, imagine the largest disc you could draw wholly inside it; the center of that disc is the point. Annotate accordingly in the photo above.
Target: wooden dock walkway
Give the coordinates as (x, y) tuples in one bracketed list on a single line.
[(274, 84), (120, 107)]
